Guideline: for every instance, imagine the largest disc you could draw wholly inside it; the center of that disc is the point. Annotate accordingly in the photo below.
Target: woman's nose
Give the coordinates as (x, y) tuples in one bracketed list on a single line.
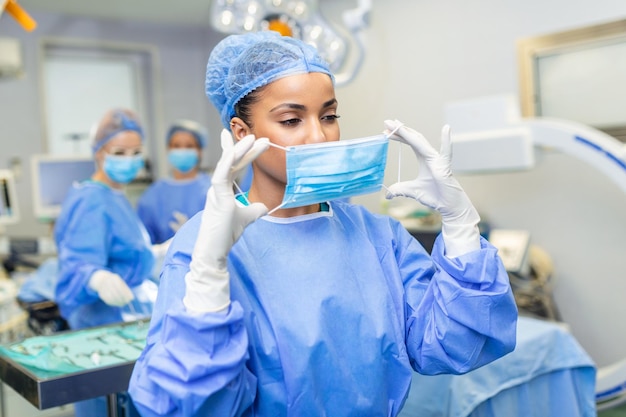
[(316, 133)]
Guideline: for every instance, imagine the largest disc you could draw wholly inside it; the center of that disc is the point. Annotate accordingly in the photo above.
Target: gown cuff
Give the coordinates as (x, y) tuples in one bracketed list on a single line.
[(460, 239)]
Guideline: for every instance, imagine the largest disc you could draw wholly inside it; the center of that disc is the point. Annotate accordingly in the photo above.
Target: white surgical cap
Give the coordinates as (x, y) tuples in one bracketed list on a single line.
[(240, 64)]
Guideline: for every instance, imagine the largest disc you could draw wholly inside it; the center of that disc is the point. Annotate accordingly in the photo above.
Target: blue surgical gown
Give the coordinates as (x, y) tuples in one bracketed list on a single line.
[(331, 313), (157, 204), (97, 229)]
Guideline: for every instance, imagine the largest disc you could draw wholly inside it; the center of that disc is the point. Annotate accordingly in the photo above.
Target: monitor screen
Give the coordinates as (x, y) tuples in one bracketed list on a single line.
[(9, 212), (53, 177)]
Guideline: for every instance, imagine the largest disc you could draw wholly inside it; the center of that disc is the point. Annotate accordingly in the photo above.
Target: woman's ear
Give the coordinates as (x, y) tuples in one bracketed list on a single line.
[(239, 128)]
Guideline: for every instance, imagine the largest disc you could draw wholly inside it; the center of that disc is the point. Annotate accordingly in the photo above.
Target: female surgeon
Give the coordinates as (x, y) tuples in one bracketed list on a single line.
[(170, 202), (320, 308), (105, 256)]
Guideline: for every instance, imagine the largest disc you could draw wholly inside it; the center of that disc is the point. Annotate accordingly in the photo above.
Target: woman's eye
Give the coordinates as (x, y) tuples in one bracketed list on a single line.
[(290, 122), (331, 117)]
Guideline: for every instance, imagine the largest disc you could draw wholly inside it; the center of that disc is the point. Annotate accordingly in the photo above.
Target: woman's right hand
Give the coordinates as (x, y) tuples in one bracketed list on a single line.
[(223, 222)]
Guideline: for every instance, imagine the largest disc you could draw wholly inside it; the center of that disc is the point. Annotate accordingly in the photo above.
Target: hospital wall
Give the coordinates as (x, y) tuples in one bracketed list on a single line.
[(421, 55), (425, 54)]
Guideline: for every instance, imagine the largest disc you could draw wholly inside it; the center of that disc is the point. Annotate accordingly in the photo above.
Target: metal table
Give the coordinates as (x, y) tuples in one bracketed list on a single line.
[(46, 389)]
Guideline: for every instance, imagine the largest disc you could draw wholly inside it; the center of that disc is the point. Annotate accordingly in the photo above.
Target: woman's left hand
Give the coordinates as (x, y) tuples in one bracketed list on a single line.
[(434, 186)]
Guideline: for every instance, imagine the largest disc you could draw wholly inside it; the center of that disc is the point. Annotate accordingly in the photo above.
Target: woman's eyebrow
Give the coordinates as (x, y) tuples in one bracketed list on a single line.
[(295, 106), (330, 102)]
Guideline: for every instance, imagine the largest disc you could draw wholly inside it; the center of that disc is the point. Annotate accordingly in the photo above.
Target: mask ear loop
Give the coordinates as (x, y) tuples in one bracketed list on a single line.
[(399, 154), (277, 146), (278, 207)]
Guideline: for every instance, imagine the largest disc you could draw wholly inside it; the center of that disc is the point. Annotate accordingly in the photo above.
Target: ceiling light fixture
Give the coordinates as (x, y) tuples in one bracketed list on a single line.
[(299, 19)]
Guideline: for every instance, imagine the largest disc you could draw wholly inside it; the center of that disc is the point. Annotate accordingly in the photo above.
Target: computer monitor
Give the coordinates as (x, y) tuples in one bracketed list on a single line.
[(9, 212), (53, 176)]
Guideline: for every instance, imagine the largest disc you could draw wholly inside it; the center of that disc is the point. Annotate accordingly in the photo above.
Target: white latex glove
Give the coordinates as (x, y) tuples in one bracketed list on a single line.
[(111, 288), (180, 218), (160, 249), (436, 188), (223, 221)]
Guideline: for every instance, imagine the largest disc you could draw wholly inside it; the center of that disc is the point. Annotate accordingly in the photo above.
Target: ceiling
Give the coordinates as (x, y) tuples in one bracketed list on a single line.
[(189, 12)]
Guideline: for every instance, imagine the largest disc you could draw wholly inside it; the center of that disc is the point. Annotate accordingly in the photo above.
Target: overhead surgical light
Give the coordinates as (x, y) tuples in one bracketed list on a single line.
[(299, 19)]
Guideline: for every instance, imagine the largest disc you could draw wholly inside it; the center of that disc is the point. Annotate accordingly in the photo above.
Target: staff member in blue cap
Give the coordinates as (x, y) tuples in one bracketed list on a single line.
[(169, 202), (103, 249), (317, 308)]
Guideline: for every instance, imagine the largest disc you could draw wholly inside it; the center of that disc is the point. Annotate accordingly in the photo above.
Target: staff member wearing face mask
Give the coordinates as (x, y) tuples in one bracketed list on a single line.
[(168, 203), (319, 307), (104, 251)]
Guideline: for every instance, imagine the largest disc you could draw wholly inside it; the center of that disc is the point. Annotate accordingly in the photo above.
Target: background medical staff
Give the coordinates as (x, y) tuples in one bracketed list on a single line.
[(103, 249), (319, 309), (170, 202)]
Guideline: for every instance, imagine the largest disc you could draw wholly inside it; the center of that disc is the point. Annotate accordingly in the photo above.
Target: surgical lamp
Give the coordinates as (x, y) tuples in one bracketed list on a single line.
[(300, 19)]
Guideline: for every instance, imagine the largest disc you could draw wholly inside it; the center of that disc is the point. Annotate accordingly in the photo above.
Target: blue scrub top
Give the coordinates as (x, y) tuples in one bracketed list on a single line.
[(166, 196), (331, 313), (97, 229)]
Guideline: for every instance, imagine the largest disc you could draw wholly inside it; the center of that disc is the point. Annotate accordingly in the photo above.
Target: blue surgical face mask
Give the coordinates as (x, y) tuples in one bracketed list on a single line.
[(122, 169), (330, 170), (183, 160)]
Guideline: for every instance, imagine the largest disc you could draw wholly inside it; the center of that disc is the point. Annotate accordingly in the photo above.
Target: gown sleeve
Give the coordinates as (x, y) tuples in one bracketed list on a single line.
[(463, 316), (193, 363), (82, 241)]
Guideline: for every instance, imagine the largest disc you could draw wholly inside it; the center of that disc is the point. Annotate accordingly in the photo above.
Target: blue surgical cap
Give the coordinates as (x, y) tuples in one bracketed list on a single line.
[(240, 64), (196, 129), (115, 121)]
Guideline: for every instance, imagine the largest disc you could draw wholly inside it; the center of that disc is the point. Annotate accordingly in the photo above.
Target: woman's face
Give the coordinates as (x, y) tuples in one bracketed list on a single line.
[(125, 143), (294, 110)]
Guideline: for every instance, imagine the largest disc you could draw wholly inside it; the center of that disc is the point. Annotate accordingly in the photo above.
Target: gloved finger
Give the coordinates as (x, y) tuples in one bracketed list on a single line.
[(402, 189), (121, 289), (411, 137), (119, 301), (224, 164), (122, 300), (446, 144), (243, 146), (393, 126), (117, 295), (260, 145), (411, 190), (253, 212)]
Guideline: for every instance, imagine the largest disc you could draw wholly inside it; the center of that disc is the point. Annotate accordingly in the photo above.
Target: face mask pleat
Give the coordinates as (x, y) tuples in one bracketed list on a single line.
[(332, 170)]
